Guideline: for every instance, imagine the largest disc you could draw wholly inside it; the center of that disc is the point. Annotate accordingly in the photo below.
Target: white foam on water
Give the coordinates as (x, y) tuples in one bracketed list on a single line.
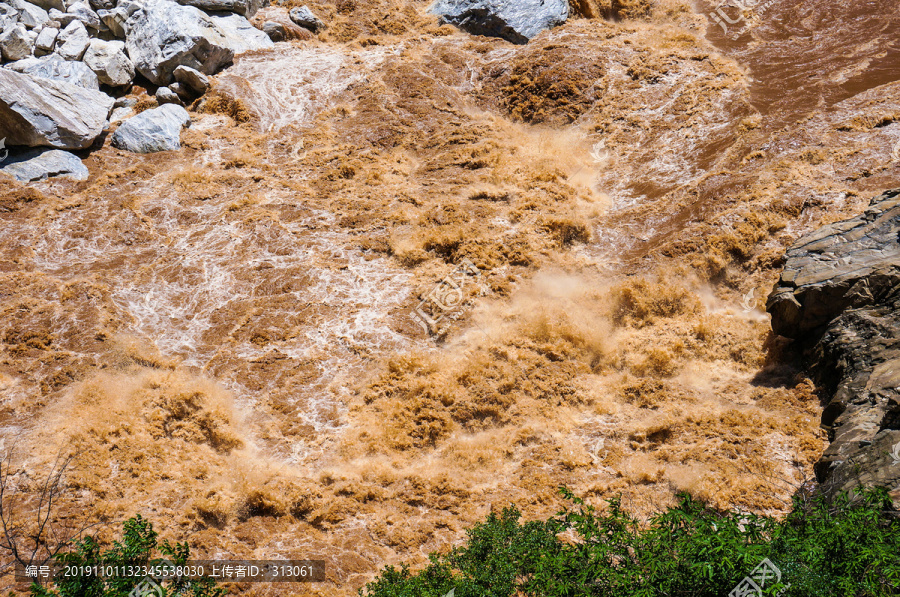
[(288, 86)]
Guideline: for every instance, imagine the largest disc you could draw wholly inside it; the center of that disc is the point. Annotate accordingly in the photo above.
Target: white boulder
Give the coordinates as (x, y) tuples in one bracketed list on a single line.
[(41, 112), (45, 41), (109, 62), (153, 130), (54, 67), (73, 41)]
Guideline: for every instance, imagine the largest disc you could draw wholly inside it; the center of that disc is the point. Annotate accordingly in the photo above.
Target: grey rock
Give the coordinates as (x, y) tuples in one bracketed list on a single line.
[(40, 164), (154, 130), (129, 7), (64, 19), (275, 31), (515, 20), (163, 35), (839, 299), (30, 15), (246, 8), (164, 95), (116, 20), (48, 4), (125, 102), (73, 41), (99, 5), (184, 93), (108, 60), (305, 18), (239, 35), (113, 21), (42, 112), (829, 270), (45, 41), (8, 13), (121, 113), (84, 14), (15, 44), (55, 68), (193, 79)]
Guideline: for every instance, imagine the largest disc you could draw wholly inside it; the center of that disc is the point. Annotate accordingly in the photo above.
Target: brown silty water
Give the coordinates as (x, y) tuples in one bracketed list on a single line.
[(224, 336)]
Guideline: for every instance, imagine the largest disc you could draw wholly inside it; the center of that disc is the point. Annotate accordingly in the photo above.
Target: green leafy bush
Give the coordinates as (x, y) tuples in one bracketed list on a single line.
[(139, 541), (848, 547)]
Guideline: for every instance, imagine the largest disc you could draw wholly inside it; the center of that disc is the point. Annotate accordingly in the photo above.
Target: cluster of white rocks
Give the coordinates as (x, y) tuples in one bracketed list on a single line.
[(65, 61)]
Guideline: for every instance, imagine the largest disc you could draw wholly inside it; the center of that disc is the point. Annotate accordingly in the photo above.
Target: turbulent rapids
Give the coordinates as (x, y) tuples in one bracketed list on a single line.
[(225, 336)]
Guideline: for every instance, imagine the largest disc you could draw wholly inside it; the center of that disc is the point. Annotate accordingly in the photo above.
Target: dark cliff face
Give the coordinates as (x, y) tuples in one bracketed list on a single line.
[(839, 297)]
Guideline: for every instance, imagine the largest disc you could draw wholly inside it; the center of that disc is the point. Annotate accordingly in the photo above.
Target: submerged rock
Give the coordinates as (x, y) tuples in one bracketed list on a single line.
[(39, 164), (305, 18), (839, 297), (41, 112), (275, 31), (155, 130), (515, 20)]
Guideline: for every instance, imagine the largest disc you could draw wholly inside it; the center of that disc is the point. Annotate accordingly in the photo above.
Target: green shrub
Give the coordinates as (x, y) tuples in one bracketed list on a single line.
[(136, 548), (849, 547)]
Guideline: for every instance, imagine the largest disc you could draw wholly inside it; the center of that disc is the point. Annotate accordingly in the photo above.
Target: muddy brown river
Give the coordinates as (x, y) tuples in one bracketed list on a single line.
[(225, 336)]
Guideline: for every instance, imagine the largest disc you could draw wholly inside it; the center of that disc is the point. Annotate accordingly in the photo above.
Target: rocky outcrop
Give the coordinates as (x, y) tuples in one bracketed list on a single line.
[(839, 298), (155, 130), (41, 112), (515, 20), (38, 164)]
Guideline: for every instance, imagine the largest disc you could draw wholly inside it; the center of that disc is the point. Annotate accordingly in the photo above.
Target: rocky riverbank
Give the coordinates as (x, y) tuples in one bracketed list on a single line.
[(839, 299), (72, 70)]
